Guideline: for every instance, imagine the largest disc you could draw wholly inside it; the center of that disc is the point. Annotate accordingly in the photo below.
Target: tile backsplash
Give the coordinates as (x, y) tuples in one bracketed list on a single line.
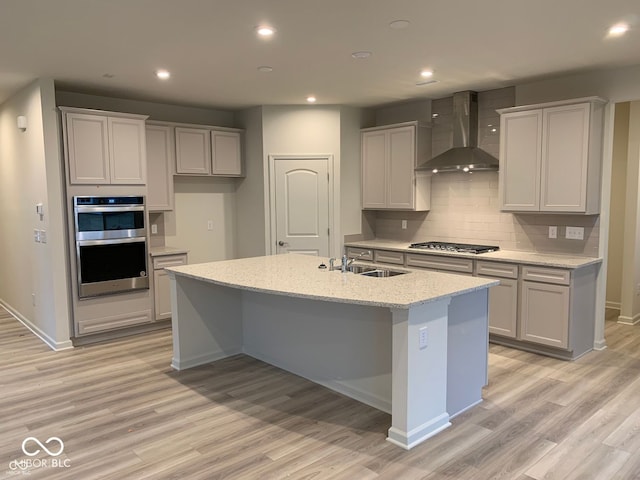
[(465, 208)]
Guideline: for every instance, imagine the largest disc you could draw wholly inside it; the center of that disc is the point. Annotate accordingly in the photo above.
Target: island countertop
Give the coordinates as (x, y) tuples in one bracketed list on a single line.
[(299, 276)]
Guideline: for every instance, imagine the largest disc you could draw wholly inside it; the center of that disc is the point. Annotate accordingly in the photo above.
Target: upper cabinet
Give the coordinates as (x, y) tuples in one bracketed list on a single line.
[(551, 157), (160, 160), (104, 147), (205, 151), (389, 157)]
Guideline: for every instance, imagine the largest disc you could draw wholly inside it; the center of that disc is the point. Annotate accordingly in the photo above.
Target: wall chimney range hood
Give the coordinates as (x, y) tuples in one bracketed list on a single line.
[(465, 156)]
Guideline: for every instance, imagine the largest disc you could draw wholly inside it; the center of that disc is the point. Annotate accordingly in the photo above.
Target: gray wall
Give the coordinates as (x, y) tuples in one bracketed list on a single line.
[(250, 201), (34, 276), (618, 195)]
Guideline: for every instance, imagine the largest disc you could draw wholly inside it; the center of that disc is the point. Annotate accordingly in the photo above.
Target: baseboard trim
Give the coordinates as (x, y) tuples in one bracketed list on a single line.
[(110, 335), (624, 320), (50, 342), (613, 305), (185, 363)]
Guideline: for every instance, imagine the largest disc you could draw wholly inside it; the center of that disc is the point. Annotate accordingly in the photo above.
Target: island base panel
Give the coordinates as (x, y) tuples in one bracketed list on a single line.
[(344, 347), (468, 352), (419, 374), (206, 322)]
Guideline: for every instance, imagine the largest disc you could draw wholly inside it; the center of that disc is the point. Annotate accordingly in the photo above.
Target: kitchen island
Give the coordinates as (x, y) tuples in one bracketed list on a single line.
[(413, 345)]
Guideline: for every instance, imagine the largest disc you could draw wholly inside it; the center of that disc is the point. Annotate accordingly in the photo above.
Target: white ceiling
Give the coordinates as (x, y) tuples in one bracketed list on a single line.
[(212, 51)]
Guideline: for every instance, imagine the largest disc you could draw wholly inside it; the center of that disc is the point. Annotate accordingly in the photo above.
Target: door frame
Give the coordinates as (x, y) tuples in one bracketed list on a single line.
[(270, 213)]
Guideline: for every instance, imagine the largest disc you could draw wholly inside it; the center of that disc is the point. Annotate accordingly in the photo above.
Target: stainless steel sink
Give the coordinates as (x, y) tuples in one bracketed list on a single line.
[(361, 268), (383, 272), (371, 271)]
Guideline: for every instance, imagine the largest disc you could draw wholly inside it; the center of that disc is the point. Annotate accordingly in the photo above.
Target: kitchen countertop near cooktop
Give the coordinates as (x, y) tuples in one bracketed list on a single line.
[(165, 250), (514, 256), (297, 275)]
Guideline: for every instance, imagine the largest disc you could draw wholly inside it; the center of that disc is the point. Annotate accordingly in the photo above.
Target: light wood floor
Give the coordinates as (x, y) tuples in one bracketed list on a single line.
[(123, 413)]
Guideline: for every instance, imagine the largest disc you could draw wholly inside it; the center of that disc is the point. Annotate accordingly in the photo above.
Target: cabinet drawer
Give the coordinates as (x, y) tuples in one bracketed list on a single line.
[(450, 264), (493, 269), (361, 253), (546, 275), (383, 256), (169, 261)]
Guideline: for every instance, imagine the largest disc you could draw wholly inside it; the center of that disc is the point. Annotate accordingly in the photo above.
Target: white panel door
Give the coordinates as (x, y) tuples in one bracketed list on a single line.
[(88, 149), (565, 144), (302, 206), (520, 159), (226, 155), (193, 151), (374, 155), (400, 168), (128, 150)]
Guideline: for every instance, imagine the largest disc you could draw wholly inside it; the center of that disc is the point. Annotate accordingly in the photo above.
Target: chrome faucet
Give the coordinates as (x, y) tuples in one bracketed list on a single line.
[(346, 261)]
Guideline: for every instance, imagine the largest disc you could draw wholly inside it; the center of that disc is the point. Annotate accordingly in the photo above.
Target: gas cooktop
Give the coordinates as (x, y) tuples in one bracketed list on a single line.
[(455, 247)]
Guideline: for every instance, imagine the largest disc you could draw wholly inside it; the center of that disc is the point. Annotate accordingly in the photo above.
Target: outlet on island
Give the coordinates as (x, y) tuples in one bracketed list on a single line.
[(209, 224)]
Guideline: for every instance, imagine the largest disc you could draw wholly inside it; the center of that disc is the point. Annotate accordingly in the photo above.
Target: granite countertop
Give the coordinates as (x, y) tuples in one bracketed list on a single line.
[(514, 256), (165, 250), (299, 276)]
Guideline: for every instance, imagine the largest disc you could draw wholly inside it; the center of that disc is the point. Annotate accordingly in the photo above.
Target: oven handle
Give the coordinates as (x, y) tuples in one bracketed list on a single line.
[(119, 208), (88, 243)]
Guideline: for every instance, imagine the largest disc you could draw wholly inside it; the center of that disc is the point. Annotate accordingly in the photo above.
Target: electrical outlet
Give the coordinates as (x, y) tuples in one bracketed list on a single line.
[(575, 233), (33, 299), (422, 338), (404, 224), (36, 235), (43, 236), (209, 224), (154, 228), (638, 290), (553, 232)]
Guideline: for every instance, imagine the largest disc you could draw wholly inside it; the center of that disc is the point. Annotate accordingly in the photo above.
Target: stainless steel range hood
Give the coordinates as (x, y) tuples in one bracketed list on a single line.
[(465, 156)]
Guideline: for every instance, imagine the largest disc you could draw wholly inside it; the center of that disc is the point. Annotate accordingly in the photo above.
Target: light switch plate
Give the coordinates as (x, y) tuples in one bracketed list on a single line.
[(575, 233), (553, 232)]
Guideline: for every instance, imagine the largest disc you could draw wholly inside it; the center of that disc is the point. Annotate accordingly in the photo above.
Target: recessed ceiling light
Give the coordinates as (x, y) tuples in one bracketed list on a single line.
[(265, 30), (426, 73), (618, 29), (399, 24), (265, 68), (163, 74), (435, 115), (361, 55), (311, 99)]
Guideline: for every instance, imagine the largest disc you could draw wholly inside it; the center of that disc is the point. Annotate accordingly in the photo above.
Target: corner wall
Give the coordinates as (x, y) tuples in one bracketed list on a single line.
[(34, 276), (617, 214)]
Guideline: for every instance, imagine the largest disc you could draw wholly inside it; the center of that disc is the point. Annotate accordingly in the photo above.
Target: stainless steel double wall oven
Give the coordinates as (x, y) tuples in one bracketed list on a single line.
[(111, 244)]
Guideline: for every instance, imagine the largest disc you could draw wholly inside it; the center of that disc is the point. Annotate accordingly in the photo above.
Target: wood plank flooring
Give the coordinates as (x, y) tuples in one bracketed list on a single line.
[(123, 413)]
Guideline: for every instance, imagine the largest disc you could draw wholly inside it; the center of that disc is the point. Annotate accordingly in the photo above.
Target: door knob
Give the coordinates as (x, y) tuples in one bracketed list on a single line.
[(283, 244)]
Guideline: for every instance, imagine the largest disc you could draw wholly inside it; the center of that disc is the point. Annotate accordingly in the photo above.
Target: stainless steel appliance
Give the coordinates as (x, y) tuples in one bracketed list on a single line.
[(455, 247), (111, 244)]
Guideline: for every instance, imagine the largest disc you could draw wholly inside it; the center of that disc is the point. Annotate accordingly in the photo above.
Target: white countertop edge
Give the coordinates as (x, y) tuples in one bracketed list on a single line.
[(166, 250), (372, 303), (509, 256)]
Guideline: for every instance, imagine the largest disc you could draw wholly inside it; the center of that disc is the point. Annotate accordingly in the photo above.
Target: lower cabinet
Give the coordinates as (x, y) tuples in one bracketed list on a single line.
[(161, 283), (503, 298), (544, 310), (548, 310)]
